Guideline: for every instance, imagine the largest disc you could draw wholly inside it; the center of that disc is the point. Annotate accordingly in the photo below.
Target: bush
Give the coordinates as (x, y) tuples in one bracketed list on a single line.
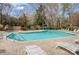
[(73, 27)]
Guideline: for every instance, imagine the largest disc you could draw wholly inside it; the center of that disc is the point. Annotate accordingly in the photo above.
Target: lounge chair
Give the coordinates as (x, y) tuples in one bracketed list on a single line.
[(35, 50), (3, 35), (2, 50), (78, 30), (75, 30), (76, 41), (68, 47)]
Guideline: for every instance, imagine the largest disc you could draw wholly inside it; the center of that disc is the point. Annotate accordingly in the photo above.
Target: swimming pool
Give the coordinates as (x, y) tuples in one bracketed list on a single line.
[(42, 35)]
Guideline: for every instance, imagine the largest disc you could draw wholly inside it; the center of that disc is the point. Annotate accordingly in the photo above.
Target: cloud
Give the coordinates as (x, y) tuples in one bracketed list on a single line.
[(20, 8), (27, 7)]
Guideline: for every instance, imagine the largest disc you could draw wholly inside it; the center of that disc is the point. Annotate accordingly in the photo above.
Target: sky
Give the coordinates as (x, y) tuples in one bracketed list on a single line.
[(29, 8), (19, 8)]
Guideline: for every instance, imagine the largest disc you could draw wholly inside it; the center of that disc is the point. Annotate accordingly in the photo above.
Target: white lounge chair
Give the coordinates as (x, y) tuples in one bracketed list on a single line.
[(3, 35), (34, 50), (78, 30), (76, 41), (68, 47), (75, 30), (2, 50)]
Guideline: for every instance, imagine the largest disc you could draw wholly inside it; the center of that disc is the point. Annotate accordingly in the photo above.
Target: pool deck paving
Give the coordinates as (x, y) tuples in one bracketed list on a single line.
[(49, 46)]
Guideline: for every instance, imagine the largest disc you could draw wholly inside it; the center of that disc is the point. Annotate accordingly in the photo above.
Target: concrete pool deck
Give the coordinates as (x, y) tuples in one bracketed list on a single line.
[(49, 46), (13, 47)]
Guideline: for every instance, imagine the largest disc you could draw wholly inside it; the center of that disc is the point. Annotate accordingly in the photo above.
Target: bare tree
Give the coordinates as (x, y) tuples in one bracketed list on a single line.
[(52, 14), (5, 9)]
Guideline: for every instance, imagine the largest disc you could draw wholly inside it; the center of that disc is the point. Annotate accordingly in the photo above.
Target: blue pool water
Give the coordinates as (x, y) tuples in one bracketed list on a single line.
[(38, 35)]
